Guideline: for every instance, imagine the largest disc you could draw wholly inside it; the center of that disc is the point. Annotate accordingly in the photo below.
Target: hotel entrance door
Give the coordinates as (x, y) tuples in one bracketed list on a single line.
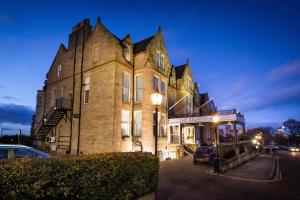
[(188, 135)]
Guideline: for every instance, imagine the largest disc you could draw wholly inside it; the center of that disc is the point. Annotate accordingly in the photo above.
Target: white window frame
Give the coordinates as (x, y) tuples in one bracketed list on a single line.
[(187, 105), (138, 90), (173, 133), (154, 76), (138, 124), (126, 88), (163, 125), (157, 59), (87, 84), (125, 123), (162, 62), (58, 70)]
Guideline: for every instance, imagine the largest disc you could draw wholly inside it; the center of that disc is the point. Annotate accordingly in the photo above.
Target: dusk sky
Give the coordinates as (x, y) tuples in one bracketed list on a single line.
[(246, 54)]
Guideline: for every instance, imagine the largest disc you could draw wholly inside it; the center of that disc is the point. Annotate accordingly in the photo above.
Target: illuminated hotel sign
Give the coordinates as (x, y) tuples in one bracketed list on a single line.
[(207, 119)]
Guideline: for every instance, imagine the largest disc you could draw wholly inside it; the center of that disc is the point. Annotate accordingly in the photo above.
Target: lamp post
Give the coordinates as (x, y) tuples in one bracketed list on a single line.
[(216, 119), (156, 98), (217, 160)]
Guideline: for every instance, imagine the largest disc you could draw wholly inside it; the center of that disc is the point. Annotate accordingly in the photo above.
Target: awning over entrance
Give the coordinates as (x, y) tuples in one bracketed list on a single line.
[(223, 119)]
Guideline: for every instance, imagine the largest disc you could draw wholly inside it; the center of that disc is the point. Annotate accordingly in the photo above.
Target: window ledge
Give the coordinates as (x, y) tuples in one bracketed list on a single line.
[(125, 137)]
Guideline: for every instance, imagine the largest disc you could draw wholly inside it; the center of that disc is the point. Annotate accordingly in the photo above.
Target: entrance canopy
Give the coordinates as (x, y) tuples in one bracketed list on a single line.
[(223, 119)]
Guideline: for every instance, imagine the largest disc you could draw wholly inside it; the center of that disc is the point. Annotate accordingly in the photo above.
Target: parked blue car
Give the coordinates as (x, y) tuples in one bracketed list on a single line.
[(20, 151)]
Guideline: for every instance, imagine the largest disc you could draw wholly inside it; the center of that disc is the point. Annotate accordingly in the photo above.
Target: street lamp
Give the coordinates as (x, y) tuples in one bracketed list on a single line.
[(156, 98), (216, 120), (217, 160)]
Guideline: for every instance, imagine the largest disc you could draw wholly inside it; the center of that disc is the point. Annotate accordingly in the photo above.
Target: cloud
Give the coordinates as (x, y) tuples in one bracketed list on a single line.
[(285, 71), (12, 113), (9, 98)]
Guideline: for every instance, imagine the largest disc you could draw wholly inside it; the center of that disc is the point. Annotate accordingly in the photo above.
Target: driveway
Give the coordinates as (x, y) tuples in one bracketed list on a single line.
[(181, 179)]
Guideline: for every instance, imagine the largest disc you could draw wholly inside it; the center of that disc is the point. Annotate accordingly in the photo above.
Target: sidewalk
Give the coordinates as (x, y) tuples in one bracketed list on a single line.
[(260, 168)]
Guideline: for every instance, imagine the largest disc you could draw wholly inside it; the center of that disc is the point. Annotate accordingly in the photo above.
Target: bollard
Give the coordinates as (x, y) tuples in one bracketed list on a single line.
[(217, 164)]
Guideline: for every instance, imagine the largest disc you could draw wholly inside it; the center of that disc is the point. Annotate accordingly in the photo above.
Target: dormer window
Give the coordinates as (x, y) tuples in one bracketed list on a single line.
[(127, 52), (58, 70)]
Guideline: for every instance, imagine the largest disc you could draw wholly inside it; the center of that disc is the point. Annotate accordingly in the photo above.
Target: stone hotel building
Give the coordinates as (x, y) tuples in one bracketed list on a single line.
[(97, 96)]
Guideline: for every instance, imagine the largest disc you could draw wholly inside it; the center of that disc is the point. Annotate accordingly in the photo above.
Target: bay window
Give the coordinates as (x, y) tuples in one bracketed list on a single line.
[(126, 88), (137, 123), (125, 123), (138, 89)]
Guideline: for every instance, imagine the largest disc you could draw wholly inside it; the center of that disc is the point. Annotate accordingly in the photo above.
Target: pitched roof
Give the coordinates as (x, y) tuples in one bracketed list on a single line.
[(142, 45), (203, 97), (179, 71)]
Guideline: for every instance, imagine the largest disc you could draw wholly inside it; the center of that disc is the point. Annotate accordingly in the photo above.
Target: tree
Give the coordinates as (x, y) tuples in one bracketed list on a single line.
[(280, 139)]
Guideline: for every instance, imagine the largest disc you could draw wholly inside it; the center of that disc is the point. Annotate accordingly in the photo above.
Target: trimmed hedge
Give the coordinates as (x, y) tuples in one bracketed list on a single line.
[(229, 154), (99, 176)]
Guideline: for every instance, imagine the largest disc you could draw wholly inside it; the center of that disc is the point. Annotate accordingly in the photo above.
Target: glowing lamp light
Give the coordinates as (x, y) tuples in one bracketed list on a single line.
[(254, 141), (215, 118), (156, 98)]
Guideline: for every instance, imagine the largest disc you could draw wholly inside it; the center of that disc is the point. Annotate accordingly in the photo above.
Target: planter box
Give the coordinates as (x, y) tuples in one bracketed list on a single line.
[(236, 161)]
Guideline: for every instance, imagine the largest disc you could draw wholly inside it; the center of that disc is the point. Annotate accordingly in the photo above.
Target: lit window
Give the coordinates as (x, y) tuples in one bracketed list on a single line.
[(138, 89), (137, 123), (126, 88), (174, 134), (163, 125), (58, 70), (125, 123), (155, 83), (86, 90)]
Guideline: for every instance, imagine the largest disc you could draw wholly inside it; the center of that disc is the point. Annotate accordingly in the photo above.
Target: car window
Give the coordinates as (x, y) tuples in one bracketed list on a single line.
[(3, 153), (24, 153)]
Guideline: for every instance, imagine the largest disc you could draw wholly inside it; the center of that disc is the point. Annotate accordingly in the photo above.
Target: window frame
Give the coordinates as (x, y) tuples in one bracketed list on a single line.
[(58, 70), (86, 93), (125, 89), (138, 90), (136, 121), (158, 85), (124, 122), (163, 126), (157, 59)]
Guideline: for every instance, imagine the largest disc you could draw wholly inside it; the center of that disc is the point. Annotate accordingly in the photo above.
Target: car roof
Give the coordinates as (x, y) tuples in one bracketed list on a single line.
[(13, 146)]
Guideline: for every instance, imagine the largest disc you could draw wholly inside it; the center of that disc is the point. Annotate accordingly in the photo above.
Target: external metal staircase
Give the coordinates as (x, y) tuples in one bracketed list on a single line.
[(53, 117), (187, 151)]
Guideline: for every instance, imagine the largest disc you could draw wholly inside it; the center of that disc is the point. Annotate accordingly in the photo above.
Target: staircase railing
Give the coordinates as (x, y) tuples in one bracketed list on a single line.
[(60, 103), (187, 150)]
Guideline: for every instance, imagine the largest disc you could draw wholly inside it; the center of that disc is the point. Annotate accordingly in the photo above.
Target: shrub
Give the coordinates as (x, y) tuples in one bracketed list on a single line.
[(229, 154), (101, 176)]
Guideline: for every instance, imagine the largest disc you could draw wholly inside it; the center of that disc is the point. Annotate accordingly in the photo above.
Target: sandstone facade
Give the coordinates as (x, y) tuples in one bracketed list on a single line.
[(103, 86)]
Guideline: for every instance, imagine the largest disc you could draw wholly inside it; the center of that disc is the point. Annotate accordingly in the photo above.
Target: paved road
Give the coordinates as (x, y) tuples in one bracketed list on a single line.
[(180, 179), (262, 167)]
